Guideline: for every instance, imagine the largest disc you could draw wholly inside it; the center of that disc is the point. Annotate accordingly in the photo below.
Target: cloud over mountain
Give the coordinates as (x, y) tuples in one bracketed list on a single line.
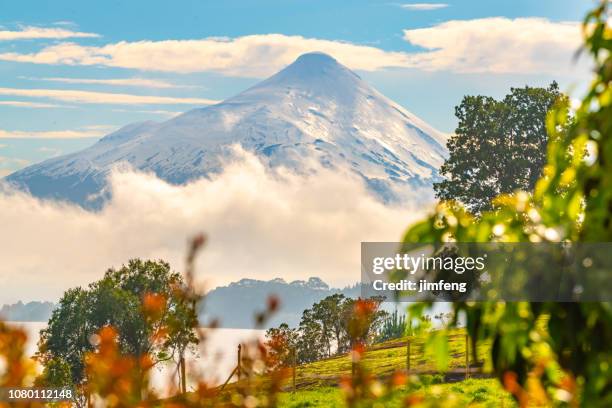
[(261, 223)]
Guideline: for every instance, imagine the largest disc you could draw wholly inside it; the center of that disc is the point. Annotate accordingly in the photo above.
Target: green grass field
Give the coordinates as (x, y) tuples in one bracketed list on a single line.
[(468, 393), (317, 383)]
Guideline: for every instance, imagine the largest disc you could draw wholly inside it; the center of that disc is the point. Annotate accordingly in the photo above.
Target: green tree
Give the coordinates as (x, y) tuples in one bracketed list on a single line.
[(328, 312), (393, 327), (498, 146), (67, 336), (142, 301), (311, 345), (56, 373)]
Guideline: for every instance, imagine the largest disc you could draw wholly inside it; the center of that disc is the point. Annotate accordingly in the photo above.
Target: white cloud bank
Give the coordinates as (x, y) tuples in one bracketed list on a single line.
[(497, 45), (492, 45), (260, 225), (32, 33)]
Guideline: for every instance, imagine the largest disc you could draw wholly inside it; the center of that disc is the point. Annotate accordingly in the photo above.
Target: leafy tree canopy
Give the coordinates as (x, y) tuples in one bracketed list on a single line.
[(498, 146)]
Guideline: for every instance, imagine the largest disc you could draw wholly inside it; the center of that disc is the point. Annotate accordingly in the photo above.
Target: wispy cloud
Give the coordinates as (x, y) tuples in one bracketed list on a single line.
[(50, 151), (497, 45), (64, 23), (31, 33), (77, 96), (11, 164), (100, 127), (152, 112), (24, 104), (4, 160), (52, 134), (137, 82), (424, 6)]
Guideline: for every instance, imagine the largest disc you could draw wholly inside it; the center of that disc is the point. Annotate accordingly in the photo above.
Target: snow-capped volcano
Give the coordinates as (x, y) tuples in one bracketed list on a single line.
[(313, 109)]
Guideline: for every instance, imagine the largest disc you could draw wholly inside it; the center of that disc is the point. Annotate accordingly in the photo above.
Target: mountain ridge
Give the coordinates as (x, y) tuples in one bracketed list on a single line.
[(313, 108), (234, 304), (35, 311)]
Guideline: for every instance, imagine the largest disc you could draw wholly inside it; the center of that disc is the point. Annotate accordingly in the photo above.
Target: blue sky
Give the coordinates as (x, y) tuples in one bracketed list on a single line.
[(71, 71)]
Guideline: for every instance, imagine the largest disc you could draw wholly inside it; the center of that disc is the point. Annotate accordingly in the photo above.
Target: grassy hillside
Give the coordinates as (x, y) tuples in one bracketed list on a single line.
[(385, 358)]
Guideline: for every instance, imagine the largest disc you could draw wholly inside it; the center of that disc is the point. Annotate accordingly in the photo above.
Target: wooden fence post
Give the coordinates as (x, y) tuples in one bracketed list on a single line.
[(467, 356), (239, 366)]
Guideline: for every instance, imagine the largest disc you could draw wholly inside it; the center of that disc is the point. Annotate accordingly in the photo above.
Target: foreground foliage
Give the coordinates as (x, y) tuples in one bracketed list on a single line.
[(566, 360)]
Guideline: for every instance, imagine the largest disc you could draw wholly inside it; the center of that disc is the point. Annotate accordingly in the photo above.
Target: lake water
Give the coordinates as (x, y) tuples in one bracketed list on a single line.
[(215, 361)]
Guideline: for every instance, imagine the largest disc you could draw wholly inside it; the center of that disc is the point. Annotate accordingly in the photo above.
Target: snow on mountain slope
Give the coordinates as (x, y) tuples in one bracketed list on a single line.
[(313, 109)]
